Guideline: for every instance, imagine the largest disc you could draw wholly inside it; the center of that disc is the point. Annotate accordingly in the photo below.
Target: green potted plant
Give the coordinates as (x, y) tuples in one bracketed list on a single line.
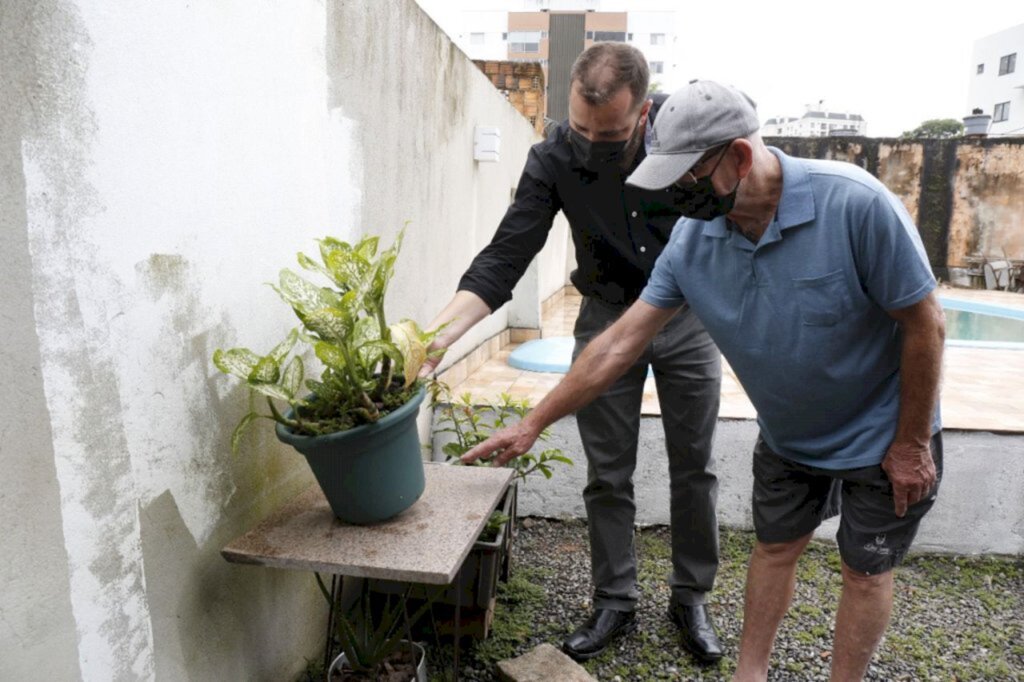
[(356, 424), (373, 636), (463, 423)]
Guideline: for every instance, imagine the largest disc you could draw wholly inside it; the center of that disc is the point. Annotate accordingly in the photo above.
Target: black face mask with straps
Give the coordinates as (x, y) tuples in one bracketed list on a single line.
[(699, 200), (603, 156)]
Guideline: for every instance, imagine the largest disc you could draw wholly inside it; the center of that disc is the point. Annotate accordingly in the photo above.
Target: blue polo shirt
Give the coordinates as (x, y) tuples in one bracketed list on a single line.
[(801, 316)]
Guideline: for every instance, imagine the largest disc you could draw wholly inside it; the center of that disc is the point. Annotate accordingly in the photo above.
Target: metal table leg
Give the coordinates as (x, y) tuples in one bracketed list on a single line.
[(332, 614)]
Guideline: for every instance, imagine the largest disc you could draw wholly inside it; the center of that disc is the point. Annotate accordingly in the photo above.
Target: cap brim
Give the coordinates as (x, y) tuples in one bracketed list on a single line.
[(658, 171)]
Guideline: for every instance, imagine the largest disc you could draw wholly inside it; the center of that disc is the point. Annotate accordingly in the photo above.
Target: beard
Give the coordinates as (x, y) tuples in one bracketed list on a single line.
[(632, 147)]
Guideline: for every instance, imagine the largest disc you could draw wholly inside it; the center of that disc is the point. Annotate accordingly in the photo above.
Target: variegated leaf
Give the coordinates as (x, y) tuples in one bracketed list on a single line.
[(367, 247), (331, 324), (329, 354), (308, 263), (293, 375), (409, 339), (273, 391), (303, 296), (282, 349), (236, 435), (238, 362), (266, 371)]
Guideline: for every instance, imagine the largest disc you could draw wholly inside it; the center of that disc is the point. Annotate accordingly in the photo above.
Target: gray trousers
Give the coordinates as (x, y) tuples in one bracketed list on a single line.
[(688, 375)]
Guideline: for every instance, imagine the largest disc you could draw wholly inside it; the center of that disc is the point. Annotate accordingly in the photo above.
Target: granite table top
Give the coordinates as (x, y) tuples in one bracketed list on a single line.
[(426, 543)]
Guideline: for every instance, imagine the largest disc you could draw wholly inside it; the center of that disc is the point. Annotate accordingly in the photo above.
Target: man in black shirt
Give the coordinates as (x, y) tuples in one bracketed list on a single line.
[(618, 232)]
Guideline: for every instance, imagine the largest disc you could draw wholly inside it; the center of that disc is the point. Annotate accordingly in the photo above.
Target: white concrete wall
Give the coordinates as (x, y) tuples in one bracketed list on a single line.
[(989, 88), (159, 163)]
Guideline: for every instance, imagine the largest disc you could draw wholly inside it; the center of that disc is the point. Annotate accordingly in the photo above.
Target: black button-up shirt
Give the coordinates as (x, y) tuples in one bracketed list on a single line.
[(618, 230)]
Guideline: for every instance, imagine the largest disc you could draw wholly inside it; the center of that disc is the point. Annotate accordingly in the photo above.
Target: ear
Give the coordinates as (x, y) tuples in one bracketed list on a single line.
[(743, 152), (645, 110)]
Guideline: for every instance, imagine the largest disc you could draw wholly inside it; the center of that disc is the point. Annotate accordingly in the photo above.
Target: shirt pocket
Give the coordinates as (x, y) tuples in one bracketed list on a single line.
[(823, 300)]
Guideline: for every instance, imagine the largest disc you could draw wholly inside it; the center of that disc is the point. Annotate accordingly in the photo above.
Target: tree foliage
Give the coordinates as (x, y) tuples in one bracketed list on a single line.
[(936, 128)]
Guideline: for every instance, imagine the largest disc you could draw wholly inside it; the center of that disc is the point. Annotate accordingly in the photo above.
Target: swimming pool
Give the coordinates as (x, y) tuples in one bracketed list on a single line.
[(968, 324), (982, 325)]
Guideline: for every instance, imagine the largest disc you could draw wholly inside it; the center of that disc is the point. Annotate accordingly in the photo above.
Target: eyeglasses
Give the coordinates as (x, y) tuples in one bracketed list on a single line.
[(689, 179)]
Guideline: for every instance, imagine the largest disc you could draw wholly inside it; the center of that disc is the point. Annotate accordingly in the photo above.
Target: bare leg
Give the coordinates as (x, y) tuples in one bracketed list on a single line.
[(864, 611), (770, 581)]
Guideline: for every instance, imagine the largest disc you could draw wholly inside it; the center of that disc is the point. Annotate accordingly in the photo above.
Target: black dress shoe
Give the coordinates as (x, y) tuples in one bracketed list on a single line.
[(591, 638), (698, 632)]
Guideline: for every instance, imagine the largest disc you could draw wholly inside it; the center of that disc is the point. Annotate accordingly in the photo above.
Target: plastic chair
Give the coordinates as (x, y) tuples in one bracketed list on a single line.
[(999, 274)]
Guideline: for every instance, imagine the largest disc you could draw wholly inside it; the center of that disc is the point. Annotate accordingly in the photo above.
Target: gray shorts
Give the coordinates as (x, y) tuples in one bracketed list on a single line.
[(791, 500)]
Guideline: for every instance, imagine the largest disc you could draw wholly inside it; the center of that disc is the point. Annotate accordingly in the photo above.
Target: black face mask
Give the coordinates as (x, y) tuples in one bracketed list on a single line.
[(699, 200), (604, 156)]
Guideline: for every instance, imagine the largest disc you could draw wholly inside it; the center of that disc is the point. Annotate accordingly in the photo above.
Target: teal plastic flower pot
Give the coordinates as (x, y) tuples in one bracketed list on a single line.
[(369, 473)]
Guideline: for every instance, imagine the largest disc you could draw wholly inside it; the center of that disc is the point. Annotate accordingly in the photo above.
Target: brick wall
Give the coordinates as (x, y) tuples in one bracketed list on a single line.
[(523, 85)]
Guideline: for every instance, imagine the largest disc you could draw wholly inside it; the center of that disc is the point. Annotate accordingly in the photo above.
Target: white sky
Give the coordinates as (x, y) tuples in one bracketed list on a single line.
[(895, 62)]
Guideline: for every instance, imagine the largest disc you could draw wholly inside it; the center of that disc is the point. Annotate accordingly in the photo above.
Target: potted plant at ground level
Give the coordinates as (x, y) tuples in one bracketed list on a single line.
[(373, 635), (356, 425), (465, 423)]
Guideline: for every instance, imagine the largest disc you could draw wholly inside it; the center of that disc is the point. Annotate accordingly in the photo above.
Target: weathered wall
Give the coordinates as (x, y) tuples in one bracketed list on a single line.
[(967, 196), (159, 164), (37, 629)]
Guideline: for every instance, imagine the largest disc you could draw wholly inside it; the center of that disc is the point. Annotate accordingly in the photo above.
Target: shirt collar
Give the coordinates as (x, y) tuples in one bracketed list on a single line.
[(796, 205)]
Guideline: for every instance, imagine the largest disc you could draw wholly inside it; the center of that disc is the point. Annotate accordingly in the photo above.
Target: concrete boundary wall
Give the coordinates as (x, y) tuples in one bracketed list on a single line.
[(979, 508), (966, 196)]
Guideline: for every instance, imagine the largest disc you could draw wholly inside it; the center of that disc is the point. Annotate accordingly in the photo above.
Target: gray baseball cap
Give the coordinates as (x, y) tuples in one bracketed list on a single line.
[(698, 117)]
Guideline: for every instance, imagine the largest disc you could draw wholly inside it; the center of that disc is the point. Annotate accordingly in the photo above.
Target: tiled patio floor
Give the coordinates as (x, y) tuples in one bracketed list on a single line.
[(982, 389)]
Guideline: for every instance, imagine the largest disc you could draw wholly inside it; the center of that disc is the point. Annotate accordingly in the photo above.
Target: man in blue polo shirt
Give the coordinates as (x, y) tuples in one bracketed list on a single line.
[(811, 278)]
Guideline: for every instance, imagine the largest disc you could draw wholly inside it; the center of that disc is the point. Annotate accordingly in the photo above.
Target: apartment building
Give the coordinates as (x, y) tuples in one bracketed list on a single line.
[(997, 80), (554, 32), (815, 124)]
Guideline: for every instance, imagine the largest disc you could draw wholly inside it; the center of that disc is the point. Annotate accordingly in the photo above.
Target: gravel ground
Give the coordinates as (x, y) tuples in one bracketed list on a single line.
[(954, 618)]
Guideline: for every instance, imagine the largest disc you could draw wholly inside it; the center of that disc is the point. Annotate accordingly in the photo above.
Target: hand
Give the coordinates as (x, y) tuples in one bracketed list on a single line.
[(503, 446), (435, 353), (911, 470)]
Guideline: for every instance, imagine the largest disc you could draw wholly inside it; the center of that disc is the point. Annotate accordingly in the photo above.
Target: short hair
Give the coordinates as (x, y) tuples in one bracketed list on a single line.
[(605, 68)]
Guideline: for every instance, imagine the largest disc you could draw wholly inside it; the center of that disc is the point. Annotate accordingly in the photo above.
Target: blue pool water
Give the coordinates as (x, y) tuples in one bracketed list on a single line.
[(975, 325), (983, 325)]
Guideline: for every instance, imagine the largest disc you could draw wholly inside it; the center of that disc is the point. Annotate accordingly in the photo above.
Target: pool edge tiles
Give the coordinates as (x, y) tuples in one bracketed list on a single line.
[(989, 309), (982, 308)]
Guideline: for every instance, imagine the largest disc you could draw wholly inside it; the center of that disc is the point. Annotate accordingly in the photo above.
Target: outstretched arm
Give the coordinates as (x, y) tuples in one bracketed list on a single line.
[(603, 361), (908, 462), (462, 312)]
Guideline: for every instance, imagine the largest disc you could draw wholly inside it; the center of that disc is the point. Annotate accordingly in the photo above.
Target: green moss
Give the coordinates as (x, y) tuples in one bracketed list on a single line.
[(921, 641), (515, 617)]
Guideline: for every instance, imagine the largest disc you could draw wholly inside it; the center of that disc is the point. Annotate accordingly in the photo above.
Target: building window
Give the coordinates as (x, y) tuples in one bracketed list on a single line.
[(1002, 112), (610, 36), (981, 68), (657, 39), (1007, 64), (476, 38), (590, 35), (657, 67), (524, 41)]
